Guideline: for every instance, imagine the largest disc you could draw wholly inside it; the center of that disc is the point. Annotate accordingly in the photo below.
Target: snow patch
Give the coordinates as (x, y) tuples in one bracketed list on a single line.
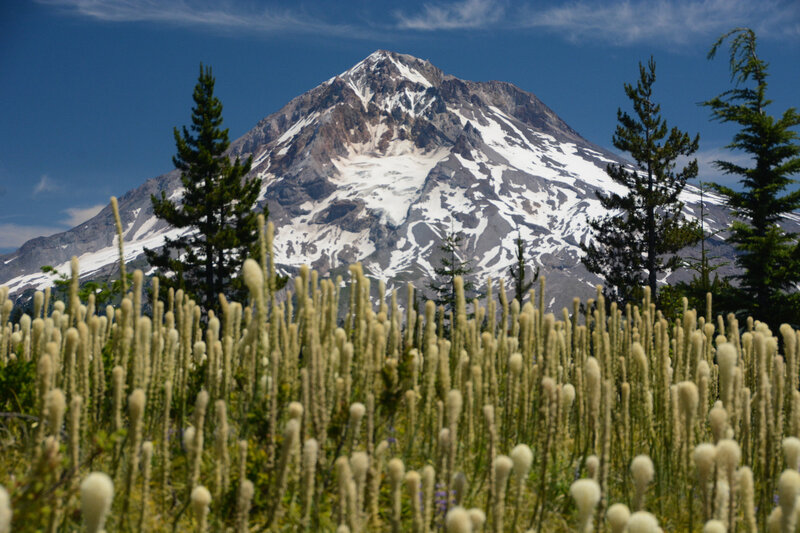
[(296, 128), (386, 182), (411, 75)]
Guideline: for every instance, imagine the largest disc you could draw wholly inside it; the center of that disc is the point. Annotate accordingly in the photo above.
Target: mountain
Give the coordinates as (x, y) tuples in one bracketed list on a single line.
[(376, 165)]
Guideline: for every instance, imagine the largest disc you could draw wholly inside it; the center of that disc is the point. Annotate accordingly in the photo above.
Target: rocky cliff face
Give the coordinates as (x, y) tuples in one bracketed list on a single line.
[(377, 165)]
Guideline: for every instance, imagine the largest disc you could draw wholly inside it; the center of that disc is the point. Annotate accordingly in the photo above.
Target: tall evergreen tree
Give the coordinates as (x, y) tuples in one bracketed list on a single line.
[(644, 229), (518, 271), (218, 203), (768, 256), (452, 265)]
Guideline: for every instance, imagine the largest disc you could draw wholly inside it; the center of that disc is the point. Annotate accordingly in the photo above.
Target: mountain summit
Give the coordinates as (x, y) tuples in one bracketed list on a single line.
[(376, 165)]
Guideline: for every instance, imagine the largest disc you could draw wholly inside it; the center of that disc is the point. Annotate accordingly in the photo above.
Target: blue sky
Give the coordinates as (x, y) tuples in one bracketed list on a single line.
[(91, 89)]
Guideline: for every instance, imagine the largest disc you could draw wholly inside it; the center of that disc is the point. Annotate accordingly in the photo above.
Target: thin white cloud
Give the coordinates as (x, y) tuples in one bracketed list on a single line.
[(625, 22), (224, 16), (709, 173), (79, 215), (451, 16), (619, 22), (15, 235), (45, 184)]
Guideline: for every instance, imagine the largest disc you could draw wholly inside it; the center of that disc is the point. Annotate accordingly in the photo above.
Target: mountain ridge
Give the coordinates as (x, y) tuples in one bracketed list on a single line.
[(376, 164)]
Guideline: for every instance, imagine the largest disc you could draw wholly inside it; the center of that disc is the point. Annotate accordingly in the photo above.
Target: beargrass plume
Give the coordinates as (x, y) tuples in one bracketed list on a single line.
[(318, 411)]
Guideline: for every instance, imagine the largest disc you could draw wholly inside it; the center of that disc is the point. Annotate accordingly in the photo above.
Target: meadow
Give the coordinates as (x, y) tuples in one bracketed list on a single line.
[(321, 413)]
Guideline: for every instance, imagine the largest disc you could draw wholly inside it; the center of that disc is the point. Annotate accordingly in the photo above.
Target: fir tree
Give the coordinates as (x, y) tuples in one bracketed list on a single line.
[(218, 203), (768, 256), (518, 271), (644, 228), (452, 265)]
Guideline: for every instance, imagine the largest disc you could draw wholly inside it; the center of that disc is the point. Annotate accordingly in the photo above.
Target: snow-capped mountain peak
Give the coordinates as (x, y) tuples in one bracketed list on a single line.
[(376, 165), (390, 80), (383, 64)]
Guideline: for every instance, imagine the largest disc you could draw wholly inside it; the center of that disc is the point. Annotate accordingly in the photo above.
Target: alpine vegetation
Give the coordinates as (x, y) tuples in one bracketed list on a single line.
[(220, 401), (768, 254), (216, 204), (640, 232), (320, 413)]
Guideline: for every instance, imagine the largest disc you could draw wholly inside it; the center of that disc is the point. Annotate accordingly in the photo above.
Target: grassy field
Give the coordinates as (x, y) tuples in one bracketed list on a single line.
[(315, 414)]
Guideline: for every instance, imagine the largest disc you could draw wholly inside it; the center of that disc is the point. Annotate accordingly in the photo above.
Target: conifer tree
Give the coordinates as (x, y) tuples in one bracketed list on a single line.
[(218, 203), (768, 256), (452, 265), (518, 272), (644, 229)]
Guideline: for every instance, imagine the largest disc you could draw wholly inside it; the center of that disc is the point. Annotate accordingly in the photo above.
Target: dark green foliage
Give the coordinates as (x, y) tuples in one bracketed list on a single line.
[(18, 387), (396, 381), (105, 292), (218, 202), (518, 271), (451, 266), (644, 229), (769, 257)]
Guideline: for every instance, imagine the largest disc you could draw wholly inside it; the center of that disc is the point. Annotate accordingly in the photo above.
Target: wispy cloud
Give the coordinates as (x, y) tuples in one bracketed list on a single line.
[(45, 184), (618, 22), (708, 172), (625, 22), (223, 16), (79, 215), (455, 15), (15, 235)]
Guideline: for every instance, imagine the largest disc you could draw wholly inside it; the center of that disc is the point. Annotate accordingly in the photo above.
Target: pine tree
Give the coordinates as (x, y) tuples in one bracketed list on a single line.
[(644, 229), (218, 204), (452, 265), (518, 273), (768, 256)]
